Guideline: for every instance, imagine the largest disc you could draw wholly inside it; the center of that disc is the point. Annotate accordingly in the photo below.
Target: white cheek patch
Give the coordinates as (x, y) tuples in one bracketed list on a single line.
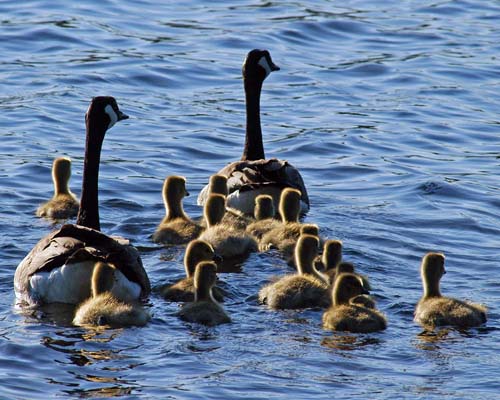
[(112, 115), (264, 64)]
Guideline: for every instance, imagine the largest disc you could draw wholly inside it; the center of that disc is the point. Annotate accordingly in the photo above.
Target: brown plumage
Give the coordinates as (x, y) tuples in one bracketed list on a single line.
[(433, 309)]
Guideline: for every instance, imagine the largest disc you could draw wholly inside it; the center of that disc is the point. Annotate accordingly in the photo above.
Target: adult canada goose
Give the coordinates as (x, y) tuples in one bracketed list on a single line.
[(304, 289), (254, 174), (104, 308), (183, 290), (204, 309), (59, 267), (227, 241), (176, 227), (344, 315), (433, 309), (64, 203)]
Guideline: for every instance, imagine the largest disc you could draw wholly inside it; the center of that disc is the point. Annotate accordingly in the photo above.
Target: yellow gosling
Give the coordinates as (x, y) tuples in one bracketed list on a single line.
[(183, 290), (346, 316), (204, 309), (264, 214), (434, 310), (226, 239), (302, 290), (103, 308), (176, 227), (63, 204)]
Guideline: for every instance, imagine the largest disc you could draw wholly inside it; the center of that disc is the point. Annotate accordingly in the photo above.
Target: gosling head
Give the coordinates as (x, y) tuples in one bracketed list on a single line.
[(332, 254), (264, 207), (306, 251), (61, 172), (258, 65), (215, 208), (218, 184), (196, 252), (431, 270), (289, 207), (103, 113), (309, 229), (346, 287), (103, 278)]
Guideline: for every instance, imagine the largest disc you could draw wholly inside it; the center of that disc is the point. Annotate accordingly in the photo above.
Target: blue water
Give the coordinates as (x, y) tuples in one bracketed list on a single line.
[(390, 111)]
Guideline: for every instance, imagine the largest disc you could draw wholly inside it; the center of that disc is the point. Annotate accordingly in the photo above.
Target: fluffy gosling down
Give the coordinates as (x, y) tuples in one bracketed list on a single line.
[(183, 290), (433, 309), (302, 290), (176, 227), (343, 315), (204, 309), (103, 308), (63, 204)]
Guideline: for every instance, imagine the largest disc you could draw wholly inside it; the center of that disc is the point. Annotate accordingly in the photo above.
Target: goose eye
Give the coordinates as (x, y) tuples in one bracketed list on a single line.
[(265, 64), (113, 117)]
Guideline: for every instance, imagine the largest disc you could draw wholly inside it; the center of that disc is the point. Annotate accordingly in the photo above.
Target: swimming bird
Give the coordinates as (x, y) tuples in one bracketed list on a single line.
[(264, 214), (63, 204), (204, 309), (433, 309), (304, 289), (176, 227), (59, 267), (104, 308), (343, 315), (254, 174), (227, 241), (183, 290)]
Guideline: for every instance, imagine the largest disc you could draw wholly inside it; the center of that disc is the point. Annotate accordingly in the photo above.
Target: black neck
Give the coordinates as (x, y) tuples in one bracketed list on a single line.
[(88, 214), (254, 149)]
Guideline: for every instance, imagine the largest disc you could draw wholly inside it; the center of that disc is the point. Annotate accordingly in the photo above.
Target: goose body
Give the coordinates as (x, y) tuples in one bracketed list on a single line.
[(204, 309), (63, 204), (433, 309), (59, 267), (176, 227), (301, 290), (183, 290), (104, 308), (345, 315), (254, 175)]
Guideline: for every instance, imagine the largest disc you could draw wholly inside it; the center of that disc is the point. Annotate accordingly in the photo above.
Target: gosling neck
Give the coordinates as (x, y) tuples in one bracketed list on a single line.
[(174, 209), (254, 148), (203, 293), (61, 185), (88, 213), (431, 287)]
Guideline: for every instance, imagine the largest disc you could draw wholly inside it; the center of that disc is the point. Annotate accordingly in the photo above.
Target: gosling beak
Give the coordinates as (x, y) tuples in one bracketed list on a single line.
[(187, 193), (121, 116), (274, 67), (365, 291), (217, 259)]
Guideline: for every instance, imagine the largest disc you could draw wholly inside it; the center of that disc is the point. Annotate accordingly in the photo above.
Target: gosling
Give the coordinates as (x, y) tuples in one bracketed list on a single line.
[(103, 308), (176, 227), (302, 290), (204, 309), (435, 310), (264, 213), (63, 204), (343, 315)]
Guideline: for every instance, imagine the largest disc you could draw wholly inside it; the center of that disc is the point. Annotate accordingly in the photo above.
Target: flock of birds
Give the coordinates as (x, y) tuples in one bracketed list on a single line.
[(253, 204)]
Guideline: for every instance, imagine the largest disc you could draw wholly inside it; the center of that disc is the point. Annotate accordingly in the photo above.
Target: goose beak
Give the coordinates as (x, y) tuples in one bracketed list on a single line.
[(365, 291), (121, 116), (274, 67)]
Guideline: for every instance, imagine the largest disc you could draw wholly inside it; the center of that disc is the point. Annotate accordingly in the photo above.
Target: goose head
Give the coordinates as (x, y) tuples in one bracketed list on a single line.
[(332, 254), (205, 277), (61, 172), (103, 277), (258, 65), (196, 252), (264, 207), (346, 287), (103, 112), (218, 184), (214, 209), (306, 251), (431, 270), (289, 206)]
